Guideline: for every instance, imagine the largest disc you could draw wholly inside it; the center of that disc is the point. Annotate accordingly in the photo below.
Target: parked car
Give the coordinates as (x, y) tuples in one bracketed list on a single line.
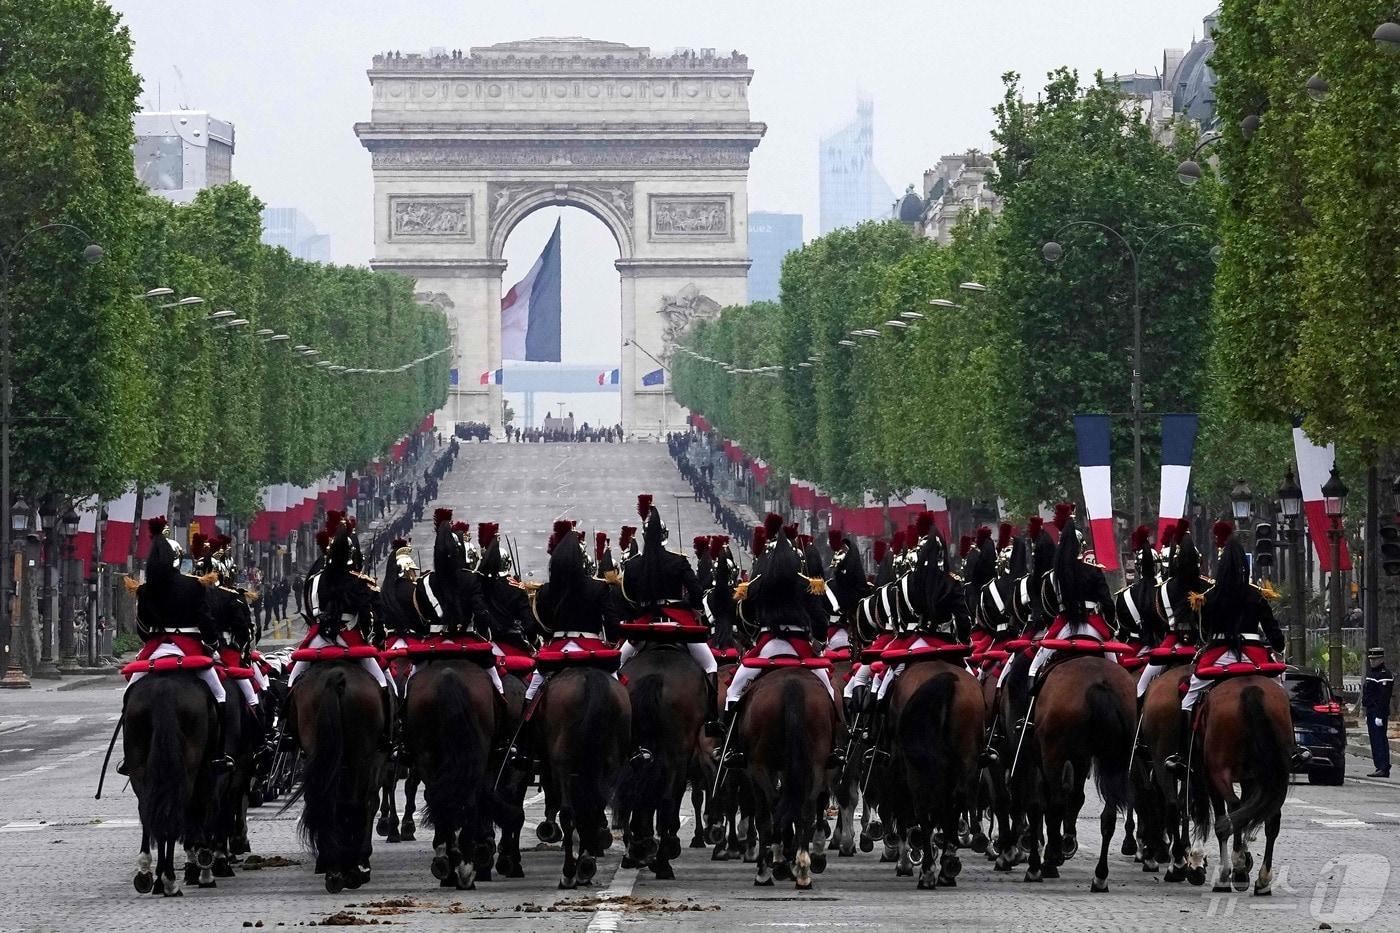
[(1317, 726)]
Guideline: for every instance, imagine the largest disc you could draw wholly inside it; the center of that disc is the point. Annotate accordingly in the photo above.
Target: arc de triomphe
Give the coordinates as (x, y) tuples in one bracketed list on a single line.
[(466, 144)]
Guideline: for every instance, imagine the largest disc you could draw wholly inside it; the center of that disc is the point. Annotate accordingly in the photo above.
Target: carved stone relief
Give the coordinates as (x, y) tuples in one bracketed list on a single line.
[(691, 217), (431, 217), (680, 312)]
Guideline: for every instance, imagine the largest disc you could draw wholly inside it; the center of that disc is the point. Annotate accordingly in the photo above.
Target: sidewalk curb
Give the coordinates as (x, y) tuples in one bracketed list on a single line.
[(88, 681)]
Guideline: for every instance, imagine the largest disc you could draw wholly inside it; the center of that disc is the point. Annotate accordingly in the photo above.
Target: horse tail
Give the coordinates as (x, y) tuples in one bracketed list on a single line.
[(1266, 755), (923, 733), (460, 770), (324, 766), (1112, 734), (643, 780), (165, 799), (796, 778), (589, 782)]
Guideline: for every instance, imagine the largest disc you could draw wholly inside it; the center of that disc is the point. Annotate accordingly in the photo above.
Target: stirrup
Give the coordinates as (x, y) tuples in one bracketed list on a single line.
[(221, 765), (641, 756), (837, 758), (1174, 764), (714, 729), (1300, 756), (988, 756), (122, 769)]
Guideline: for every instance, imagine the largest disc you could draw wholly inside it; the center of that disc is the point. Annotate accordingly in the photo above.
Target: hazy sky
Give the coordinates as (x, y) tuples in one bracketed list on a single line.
[(290, 74)]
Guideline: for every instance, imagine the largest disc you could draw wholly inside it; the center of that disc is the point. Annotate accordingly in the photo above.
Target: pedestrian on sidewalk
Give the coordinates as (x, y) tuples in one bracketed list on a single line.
[(1375, 703)]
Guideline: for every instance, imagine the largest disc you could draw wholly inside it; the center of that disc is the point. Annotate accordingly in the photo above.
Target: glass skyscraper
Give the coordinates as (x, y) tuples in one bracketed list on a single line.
[(852, 190)]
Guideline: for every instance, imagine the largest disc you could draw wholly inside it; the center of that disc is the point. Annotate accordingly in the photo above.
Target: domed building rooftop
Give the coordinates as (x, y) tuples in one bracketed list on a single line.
[(911, 208)]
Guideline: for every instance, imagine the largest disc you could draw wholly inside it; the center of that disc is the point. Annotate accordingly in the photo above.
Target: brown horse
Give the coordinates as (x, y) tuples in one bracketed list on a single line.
[(450, 719), (1244, 736), (584, 724), (666, 690), (788, 726), (1161, 805), (1083, 716), (938, 716), (341, 727), (171, 734)]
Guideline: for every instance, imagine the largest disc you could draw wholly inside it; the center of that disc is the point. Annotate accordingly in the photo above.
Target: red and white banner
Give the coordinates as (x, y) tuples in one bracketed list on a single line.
[(86, 538), (121, 519), (1092, 434), (1314, 466), (206, 508), (155, 504)]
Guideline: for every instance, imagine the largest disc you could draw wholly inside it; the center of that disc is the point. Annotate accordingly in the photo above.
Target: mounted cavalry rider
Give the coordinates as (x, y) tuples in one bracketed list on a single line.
[(845, 589), (704, 566), (506, 603), (174, 618), (775, 600), (1239, 629), (1171, 624), (660, 588), (876, 620), (574, 607), (1078, 590)]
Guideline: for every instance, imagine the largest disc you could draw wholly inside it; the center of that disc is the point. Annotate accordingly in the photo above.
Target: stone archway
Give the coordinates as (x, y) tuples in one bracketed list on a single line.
[(465, 145)]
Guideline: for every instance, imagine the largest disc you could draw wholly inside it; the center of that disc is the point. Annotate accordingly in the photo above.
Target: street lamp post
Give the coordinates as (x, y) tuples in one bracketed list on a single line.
[(15, 676), (71, 570), (666, 390), (1334, 500), (1290, 497), (92, 253), (1241, 504), (48, 589), (1053, 252)]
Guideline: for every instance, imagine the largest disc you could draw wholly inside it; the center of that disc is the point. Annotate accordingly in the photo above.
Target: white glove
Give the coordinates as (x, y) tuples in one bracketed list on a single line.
[(1379, 721)]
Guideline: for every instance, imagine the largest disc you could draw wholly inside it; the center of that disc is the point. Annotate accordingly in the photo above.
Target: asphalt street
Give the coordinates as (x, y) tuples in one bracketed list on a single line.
[(66, 860)]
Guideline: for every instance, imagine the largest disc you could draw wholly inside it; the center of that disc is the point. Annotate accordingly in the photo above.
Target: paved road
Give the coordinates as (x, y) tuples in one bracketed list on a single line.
[(66, 860)]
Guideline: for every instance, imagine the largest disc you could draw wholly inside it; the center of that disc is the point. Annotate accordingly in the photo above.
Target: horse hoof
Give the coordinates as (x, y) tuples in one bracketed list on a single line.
[(1264, 891), (818, 862), (1002, 864), (698, 842), (1196, 876), (515, 871), (548, 832), (904, 871), (715, 835), (867, 843), (1129, 847), (393, 835), (1069, 847), (664, 872), (143, 882), (1148, 865), (1098, 885), (255, 798), (670, 847), (604, 841), (1032, 877), (566, 883), (1240, 881), (407, 828), (876, 829), (846, 850), (1049, 871), (206, 879), (382, 825), (465, 878), (440, 868), (804, 885), (947, 881), (1175, 875), (782, 871), (629, 862), (979, 843), (763, 882), (587, 868), (173, 891), (335, 882), (222, 869), (720, 854), (925, 882), (1221, 887)]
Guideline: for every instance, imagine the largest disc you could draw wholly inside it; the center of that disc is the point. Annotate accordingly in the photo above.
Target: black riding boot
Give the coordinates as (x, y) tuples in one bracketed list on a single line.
[(712, 726), (1176, 762), (732, 756), (229, 724), (392, 738), (989, 754)]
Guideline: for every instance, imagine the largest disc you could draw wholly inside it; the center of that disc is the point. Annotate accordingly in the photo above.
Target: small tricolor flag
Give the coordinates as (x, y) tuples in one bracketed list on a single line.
[(493, 377), (654, 378), (1095, 475), (610, 377), (1178, 444)]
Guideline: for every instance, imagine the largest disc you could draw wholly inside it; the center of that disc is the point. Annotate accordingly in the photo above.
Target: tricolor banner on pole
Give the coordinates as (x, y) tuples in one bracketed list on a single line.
[(1314, 466), (206, 508), (531, 311), (156, 503), (610, 377), (121, 518), (1178, 445), (493, 377), (86, 537), (1091, 432)]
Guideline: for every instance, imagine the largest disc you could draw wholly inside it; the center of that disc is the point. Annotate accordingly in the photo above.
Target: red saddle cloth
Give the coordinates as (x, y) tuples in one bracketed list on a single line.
[(335, 653), (787, 660), (190, 662), (1171, 650), (900, 652), (514, 659), (1258, 660), (442, 647), (231, 665), (725, 655), (838, 655), (671, 624), (593, 652), (871, 653), (1085, 644)]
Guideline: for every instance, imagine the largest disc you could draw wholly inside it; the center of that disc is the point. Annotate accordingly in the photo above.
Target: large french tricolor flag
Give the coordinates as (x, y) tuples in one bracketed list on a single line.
[(1092, 433), (121, 518), (531, 310), (1178, 444), (610, 377), (1314, 466)]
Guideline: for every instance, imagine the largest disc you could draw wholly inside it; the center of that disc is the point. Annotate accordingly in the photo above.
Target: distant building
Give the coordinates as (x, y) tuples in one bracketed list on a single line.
[(1184, 87), (771, 237), (180, 152), (957, 185), (852, 190), (292, 230)]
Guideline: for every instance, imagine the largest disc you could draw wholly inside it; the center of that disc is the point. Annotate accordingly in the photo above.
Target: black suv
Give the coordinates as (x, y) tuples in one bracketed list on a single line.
[(1317, 726)]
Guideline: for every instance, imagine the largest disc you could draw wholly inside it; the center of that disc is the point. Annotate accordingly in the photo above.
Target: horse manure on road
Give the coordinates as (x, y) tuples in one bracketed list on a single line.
[(627, 904), (257, 862)]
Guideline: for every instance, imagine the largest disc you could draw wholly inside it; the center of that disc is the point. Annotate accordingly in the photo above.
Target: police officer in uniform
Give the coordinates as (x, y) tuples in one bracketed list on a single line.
[(1375, 702)]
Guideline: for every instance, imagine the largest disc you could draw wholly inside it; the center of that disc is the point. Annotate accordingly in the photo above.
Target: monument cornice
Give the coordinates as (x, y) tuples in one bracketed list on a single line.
[(700, 130), (471, 268), (670, 268)]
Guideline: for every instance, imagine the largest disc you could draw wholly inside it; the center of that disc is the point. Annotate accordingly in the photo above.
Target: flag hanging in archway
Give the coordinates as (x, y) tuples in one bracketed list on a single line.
[(531, 310)]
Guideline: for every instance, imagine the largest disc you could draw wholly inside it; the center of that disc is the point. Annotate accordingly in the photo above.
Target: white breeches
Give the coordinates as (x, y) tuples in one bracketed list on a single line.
[(892, 674), (1149, 673), (841, 639), (537, 679), (250, 696), (860, 678), (1071, 629), (1193, 692), (210, 678), (699, 651), (370, 665), (744, 676)]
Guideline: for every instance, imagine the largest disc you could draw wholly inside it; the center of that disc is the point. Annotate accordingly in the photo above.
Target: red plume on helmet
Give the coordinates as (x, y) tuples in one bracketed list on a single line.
[(772, 524), (398, 543), (1183, 528), (600, 544), (644, 505), (1033, 526), (835, 540), (334, 519), (624, 540), (1222, 531), (717, 545), (198, 543), (701, 544), (923, 524), (1005, 532), (441, 515), (965, 545), (157, 526), (984, 533), (1141, 535), (562, 526), (223, 541), (897, 542), (760, 541), (323, 539), (791, 531), (1168, 536), (879, 550), (486, 533), (804, 542), (1063, 511), (462, 528)]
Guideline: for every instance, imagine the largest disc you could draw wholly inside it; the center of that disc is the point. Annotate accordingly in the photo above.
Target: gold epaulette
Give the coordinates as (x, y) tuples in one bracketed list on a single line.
[(815, 586), (1266, 589), (741, 591), (1197, 600), (529, 586)]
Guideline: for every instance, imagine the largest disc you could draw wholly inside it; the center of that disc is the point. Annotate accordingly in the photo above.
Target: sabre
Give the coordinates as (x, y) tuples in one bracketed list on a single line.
[(1025, 727), (102, 777), (1133, 754), (723, 754), (505, 760)]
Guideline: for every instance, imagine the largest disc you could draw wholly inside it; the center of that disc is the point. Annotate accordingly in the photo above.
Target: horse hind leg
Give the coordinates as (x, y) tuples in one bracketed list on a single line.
[(1240, 863), (1264, 881), (1108, 820), (568, 875)]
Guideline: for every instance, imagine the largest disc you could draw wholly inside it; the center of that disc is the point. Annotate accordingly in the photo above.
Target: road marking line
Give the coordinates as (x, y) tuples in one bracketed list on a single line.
[(28, 725), (22, 826), (1328, 811), (1389, 816), (1340, 824), (67, 720), (4, 751)]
